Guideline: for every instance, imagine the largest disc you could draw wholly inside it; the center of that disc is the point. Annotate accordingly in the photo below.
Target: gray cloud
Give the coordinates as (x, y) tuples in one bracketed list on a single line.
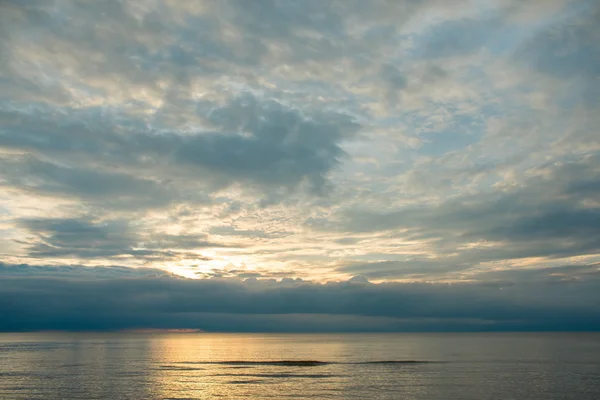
[(458, 37), (395, 82), (76, 272), (562, 188), (405, 269), (139, 46), (225, 230), (460, 135), (568, 51), (546, 216), (569, 47), (88, 239), (59, 237), (108, 304), (260, 141), (287, 277), (285, 147), (565, 273), (100, 187)]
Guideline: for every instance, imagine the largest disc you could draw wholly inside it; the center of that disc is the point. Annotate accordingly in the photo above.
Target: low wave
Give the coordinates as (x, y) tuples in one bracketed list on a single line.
[(304, 363), (179, 368), (282, 363), (398, 362), (307, 376)]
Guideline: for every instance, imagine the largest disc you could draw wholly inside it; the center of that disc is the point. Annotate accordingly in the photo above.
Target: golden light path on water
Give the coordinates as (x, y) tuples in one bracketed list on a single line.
[(180, 365), (194, 368)]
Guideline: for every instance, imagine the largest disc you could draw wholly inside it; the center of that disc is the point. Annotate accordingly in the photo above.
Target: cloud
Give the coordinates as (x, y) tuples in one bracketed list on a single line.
[(110, 189), (261, 141), (84, 238), (283, 148), (426, 140), (458, 37), (566, 53), (556, 187), (76, 272), (107, 239), (405, 269), (553, 214), (568, 47), (254, 233), (559, 274), (94, 303)]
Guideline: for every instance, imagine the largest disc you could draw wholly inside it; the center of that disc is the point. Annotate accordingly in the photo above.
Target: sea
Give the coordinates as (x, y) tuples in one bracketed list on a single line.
[(137, 366)]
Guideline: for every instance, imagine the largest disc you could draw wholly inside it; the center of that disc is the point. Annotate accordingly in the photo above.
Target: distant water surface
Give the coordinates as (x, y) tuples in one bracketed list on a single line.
[(112, 366)]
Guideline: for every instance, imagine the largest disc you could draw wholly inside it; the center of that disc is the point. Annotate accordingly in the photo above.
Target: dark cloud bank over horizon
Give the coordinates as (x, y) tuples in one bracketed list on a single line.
[(112, 299)]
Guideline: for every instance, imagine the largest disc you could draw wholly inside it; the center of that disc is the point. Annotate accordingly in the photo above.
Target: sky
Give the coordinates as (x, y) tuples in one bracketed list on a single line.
[(314, 165)]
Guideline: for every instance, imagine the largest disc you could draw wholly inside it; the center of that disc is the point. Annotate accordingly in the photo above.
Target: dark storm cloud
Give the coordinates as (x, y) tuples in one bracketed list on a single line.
[(92, 303)]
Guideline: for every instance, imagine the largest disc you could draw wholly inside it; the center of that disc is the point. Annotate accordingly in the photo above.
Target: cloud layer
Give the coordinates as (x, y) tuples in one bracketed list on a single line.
[(426, 141), (41, 298)]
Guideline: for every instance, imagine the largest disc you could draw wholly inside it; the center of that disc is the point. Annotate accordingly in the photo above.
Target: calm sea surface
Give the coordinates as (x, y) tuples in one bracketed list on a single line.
[(253, 366)]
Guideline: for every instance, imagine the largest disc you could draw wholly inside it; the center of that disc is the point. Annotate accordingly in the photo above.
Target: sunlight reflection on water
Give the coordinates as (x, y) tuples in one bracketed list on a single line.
[(204, 366)]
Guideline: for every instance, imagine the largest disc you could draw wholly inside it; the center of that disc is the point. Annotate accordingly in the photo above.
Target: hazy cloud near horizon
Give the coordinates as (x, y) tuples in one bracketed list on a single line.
[(426, 141)]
